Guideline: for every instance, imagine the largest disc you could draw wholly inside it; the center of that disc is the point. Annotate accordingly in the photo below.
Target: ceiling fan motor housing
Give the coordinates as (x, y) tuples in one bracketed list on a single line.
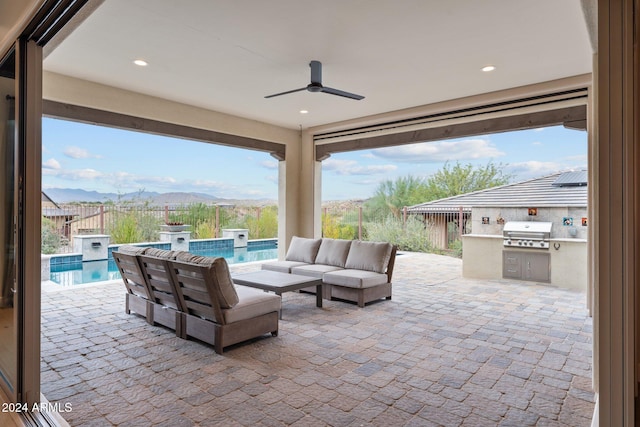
[(316, 85)]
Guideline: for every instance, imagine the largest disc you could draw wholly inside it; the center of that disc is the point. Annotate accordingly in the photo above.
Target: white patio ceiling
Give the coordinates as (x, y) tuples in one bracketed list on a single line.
[(227, 55)]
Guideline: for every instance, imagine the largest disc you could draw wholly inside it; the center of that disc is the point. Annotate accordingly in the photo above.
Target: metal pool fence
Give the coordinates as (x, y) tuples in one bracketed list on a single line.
[(130, 223), (433, 232)]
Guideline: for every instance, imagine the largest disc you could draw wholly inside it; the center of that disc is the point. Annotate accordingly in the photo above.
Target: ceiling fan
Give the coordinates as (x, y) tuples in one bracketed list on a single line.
[(316, 85)]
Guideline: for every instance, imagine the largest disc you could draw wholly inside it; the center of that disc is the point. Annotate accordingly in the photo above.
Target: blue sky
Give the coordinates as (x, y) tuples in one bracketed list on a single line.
[(96, 158)]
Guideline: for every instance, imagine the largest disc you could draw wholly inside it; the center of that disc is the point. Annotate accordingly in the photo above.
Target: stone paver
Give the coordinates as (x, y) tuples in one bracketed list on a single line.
[(445, 351)]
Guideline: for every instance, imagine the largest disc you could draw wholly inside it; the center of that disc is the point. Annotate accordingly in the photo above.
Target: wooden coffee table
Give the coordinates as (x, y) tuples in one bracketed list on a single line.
[(279, 283)]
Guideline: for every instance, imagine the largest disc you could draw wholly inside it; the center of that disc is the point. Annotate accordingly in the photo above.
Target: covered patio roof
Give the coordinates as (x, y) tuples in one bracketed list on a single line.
[(227, 56)]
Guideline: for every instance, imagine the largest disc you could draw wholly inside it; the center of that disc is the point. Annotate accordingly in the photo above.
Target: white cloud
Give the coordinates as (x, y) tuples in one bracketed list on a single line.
[(269, 164), (535, 169), (126, 182), (536, 143), (165, 181), (79, 153), (271, 178), (115, 179), (440, 151), (80, 174), (51, 164), (579, 158), (351, 167)]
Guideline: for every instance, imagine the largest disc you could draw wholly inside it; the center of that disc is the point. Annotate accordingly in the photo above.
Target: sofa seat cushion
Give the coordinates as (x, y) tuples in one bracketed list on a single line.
[(354, 278), (303, 250), (219, 271), (333, 252), (370, 256), (282, 266), (252, 303), (314, 270)]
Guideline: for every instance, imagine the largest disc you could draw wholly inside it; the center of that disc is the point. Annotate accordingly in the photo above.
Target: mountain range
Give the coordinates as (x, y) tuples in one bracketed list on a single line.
[(77, 195)]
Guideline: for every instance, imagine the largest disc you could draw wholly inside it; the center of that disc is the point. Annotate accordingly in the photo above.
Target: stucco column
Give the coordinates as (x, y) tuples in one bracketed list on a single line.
[(310, 188), (617, 213), (299, 193)]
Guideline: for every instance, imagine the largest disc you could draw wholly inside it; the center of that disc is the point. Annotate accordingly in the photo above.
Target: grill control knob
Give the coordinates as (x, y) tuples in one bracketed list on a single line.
[(520, 243), (542, 244), (530, 243)]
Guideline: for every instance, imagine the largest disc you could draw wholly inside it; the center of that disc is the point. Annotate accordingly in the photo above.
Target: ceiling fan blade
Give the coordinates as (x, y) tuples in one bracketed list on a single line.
[(316, 72), (284, 93), (333, 91)]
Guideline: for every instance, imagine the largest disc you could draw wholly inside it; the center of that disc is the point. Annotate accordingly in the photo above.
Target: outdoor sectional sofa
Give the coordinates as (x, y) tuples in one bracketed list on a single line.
[(350, 270), (195, 296)]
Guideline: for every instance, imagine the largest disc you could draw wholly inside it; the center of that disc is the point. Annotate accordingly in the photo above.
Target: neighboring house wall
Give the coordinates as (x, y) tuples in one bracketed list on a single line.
[(48, 204), (90, 224), (437, 229)]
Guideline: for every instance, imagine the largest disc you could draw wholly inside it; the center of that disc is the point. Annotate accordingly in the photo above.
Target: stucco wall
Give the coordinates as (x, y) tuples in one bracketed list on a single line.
[(554, 215), (482, 259)]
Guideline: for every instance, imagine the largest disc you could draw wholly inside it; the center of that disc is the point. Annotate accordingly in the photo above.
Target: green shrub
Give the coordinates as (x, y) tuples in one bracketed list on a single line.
[(204, 230), (265, 226), (125, 229), (51, 240), (455, 248), (333, 228), (408, 237)]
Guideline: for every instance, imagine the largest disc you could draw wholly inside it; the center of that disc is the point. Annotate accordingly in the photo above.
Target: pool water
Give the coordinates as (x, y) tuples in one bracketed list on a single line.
[(98, 271)]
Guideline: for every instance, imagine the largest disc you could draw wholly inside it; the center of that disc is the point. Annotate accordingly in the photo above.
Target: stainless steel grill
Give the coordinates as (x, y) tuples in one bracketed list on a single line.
[(527, 234)]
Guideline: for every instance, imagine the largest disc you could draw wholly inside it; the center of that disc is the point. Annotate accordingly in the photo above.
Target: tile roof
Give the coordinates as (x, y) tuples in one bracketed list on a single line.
[(538, 192)]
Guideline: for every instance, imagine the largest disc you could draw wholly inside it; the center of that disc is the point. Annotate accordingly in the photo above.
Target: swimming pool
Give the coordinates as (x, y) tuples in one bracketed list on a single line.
[(77, 273)]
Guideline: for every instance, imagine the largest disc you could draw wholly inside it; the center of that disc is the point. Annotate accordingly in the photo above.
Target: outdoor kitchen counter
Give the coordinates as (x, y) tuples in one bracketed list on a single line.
[(482, 259)]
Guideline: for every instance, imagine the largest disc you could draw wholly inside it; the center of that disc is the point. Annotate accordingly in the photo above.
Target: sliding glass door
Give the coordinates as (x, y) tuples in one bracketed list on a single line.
[(8, 314), (20, 189), (20, 194)]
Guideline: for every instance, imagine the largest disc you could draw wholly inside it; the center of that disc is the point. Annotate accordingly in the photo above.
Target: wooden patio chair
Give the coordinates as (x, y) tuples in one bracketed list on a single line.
[(213, 313), (138, 298), (168, 307)]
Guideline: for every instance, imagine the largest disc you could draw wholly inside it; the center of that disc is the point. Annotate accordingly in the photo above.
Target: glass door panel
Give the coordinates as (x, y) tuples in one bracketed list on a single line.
[(8, 326)]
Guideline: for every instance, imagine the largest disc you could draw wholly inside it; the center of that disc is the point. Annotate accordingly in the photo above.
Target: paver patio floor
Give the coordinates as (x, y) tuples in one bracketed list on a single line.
[(445, 351)]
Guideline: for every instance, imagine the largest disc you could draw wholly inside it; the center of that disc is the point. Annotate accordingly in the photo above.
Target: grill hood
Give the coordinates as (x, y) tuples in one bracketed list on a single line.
[(527, 227), (527, 234)]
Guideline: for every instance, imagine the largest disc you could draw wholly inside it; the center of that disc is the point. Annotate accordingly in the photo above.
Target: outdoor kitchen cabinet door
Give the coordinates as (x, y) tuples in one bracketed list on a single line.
[(532, 266), (512, 265)]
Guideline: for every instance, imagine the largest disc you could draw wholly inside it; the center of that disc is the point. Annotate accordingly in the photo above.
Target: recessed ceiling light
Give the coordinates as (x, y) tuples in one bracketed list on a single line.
[(488, 68), (140, 62), (304, 112)]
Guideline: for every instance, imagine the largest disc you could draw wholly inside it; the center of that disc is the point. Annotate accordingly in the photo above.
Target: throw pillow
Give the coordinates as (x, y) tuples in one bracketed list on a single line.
[(370, 256), (333, 252), (303, 250)]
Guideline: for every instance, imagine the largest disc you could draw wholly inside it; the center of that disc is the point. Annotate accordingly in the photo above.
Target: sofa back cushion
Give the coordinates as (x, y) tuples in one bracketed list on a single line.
[(219, 271), (370, 256), (303, 250), (333, 252)]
